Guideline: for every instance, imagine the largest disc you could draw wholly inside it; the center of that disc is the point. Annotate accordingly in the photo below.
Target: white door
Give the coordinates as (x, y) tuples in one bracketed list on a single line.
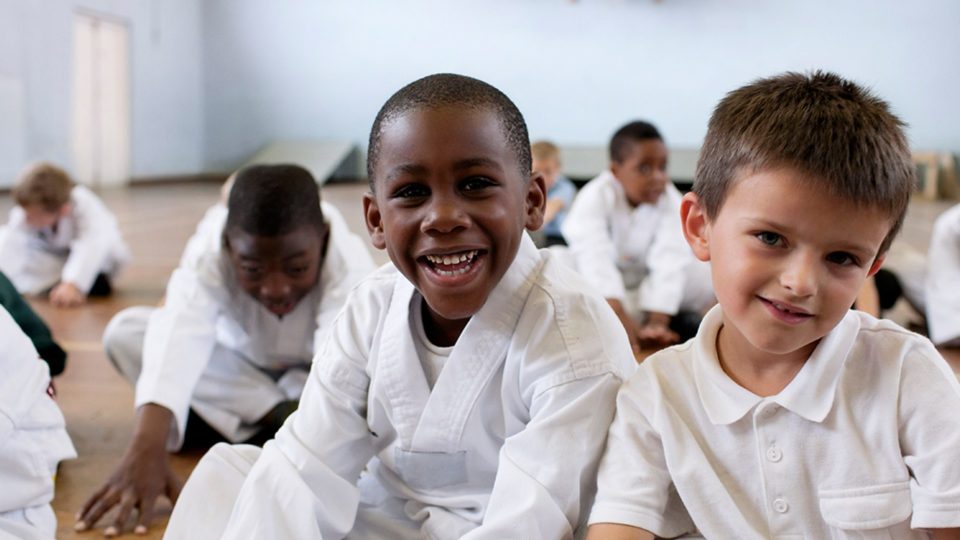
[(100, 129)]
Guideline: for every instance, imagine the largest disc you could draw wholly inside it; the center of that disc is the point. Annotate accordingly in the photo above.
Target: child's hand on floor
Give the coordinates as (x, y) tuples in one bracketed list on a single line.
[(66, 295), (143, 475)]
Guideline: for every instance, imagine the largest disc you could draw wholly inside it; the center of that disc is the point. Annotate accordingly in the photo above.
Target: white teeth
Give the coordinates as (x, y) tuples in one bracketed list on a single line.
[(449, 260)]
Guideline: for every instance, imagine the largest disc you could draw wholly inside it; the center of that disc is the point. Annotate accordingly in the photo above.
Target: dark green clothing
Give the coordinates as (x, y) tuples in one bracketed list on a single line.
[(32, 325)]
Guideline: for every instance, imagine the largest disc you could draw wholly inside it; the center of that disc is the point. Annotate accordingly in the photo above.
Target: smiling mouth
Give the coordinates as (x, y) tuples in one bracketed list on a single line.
[(786, 312), (452, 264)]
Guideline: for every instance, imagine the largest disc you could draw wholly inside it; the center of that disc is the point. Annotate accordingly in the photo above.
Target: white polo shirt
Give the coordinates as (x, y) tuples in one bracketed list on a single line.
[(865, 439)]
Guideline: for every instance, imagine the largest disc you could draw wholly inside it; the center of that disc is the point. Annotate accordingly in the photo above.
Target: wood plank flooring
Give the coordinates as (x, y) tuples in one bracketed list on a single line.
[(156, 221)]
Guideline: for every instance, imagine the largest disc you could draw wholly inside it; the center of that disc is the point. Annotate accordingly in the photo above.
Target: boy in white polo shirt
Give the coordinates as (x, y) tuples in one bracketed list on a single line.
[(790, 414)]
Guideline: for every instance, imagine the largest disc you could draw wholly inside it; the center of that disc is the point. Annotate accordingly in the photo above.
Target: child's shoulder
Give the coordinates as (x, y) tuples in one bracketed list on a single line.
[(881, 341), (563, 309)]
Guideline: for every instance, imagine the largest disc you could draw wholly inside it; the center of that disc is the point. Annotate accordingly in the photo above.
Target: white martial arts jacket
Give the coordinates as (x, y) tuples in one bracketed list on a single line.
[(33, 439), (505, 446), (86, 242), (204, 308), (618, 247), (943, 278)]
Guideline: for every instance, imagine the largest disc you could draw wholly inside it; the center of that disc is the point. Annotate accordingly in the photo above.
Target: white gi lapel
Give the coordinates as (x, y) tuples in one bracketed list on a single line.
[(399, 368), (476, 357)]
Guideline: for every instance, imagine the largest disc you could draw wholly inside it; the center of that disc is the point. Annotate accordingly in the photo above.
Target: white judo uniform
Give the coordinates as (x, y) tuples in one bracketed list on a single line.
[(33, 439), (505, 445), (82, 244), (215, 349), (943, 278), (635, 255)]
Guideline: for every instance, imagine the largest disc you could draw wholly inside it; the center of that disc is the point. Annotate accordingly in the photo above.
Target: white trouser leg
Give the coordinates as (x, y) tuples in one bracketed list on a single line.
[(204, 506)]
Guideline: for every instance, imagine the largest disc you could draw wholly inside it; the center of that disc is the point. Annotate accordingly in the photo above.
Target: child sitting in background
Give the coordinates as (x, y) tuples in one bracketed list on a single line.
[(60, 238), (227, 355), (560, 192), (790, 415), (624, 234), (33, 439), (465, 389), (943, 280)]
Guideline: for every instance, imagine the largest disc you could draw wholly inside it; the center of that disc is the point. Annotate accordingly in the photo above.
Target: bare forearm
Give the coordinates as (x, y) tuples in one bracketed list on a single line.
[(152, 425)]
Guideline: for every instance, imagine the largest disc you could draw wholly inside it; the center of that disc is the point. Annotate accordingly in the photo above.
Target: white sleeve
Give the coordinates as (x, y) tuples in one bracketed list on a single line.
[(667, 260), (303, 485), (587, 231), (943, 277), (930, 437), (95, 235), (347, 262), (546, 471), (634, 485), (179, 340)]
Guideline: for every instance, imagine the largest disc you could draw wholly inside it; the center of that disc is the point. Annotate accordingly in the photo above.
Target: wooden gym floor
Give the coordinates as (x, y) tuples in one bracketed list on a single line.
[(156, 221)]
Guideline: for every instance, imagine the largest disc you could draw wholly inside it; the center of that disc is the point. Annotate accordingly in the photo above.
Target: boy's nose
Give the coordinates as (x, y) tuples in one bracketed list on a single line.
[(444, 215), (800, 275), (275, 287)]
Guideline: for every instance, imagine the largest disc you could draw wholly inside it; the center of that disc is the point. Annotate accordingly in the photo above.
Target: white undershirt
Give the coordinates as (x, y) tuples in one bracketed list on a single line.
[(432, 357)]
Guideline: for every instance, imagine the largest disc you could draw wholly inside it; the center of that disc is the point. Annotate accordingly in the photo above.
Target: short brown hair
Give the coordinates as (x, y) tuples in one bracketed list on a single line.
[(830, 129), (43, 184), (542, 150)]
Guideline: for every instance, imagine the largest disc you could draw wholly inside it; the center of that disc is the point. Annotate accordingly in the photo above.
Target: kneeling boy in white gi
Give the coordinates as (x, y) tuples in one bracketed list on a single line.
[(465, 388), (227, 355)]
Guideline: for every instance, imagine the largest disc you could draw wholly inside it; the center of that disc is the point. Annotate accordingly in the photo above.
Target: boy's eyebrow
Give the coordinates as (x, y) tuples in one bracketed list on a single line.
[(413, 169)]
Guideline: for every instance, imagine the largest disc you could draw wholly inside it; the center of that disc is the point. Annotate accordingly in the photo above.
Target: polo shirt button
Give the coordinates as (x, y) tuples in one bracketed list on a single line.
[(774, 454), (781, 506)]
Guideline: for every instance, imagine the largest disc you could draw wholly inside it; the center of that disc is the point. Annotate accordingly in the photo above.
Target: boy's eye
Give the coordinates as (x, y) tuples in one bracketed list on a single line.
[(646, 169), (250, 272), (297, 270), (769, 238), (843, 258), (410, 191), (476, 183)]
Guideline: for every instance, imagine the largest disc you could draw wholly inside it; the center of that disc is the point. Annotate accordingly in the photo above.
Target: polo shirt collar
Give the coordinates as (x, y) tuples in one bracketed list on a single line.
[(810, 394)]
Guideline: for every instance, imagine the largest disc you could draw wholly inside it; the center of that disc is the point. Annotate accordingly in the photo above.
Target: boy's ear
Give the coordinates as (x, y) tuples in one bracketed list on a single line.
[(696, 227), (65, 209), (536, 201), (371, 214), (877, 263)]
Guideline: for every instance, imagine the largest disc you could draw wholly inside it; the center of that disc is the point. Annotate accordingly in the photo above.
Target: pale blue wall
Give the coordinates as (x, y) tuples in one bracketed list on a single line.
[(311, 68), (214, 80), (36, 38)]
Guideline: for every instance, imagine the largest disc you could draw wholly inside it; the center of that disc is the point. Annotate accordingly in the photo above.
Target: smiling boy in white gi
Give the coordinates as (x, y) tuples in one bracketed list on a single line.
[(465, 387), (790, 415)]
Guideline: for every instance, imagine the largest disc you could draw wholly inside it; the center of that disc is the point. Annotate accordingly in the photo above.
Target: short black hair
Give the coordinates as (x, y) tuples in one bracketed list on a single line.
[(623, 139), (272, 200), (446, 89)]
